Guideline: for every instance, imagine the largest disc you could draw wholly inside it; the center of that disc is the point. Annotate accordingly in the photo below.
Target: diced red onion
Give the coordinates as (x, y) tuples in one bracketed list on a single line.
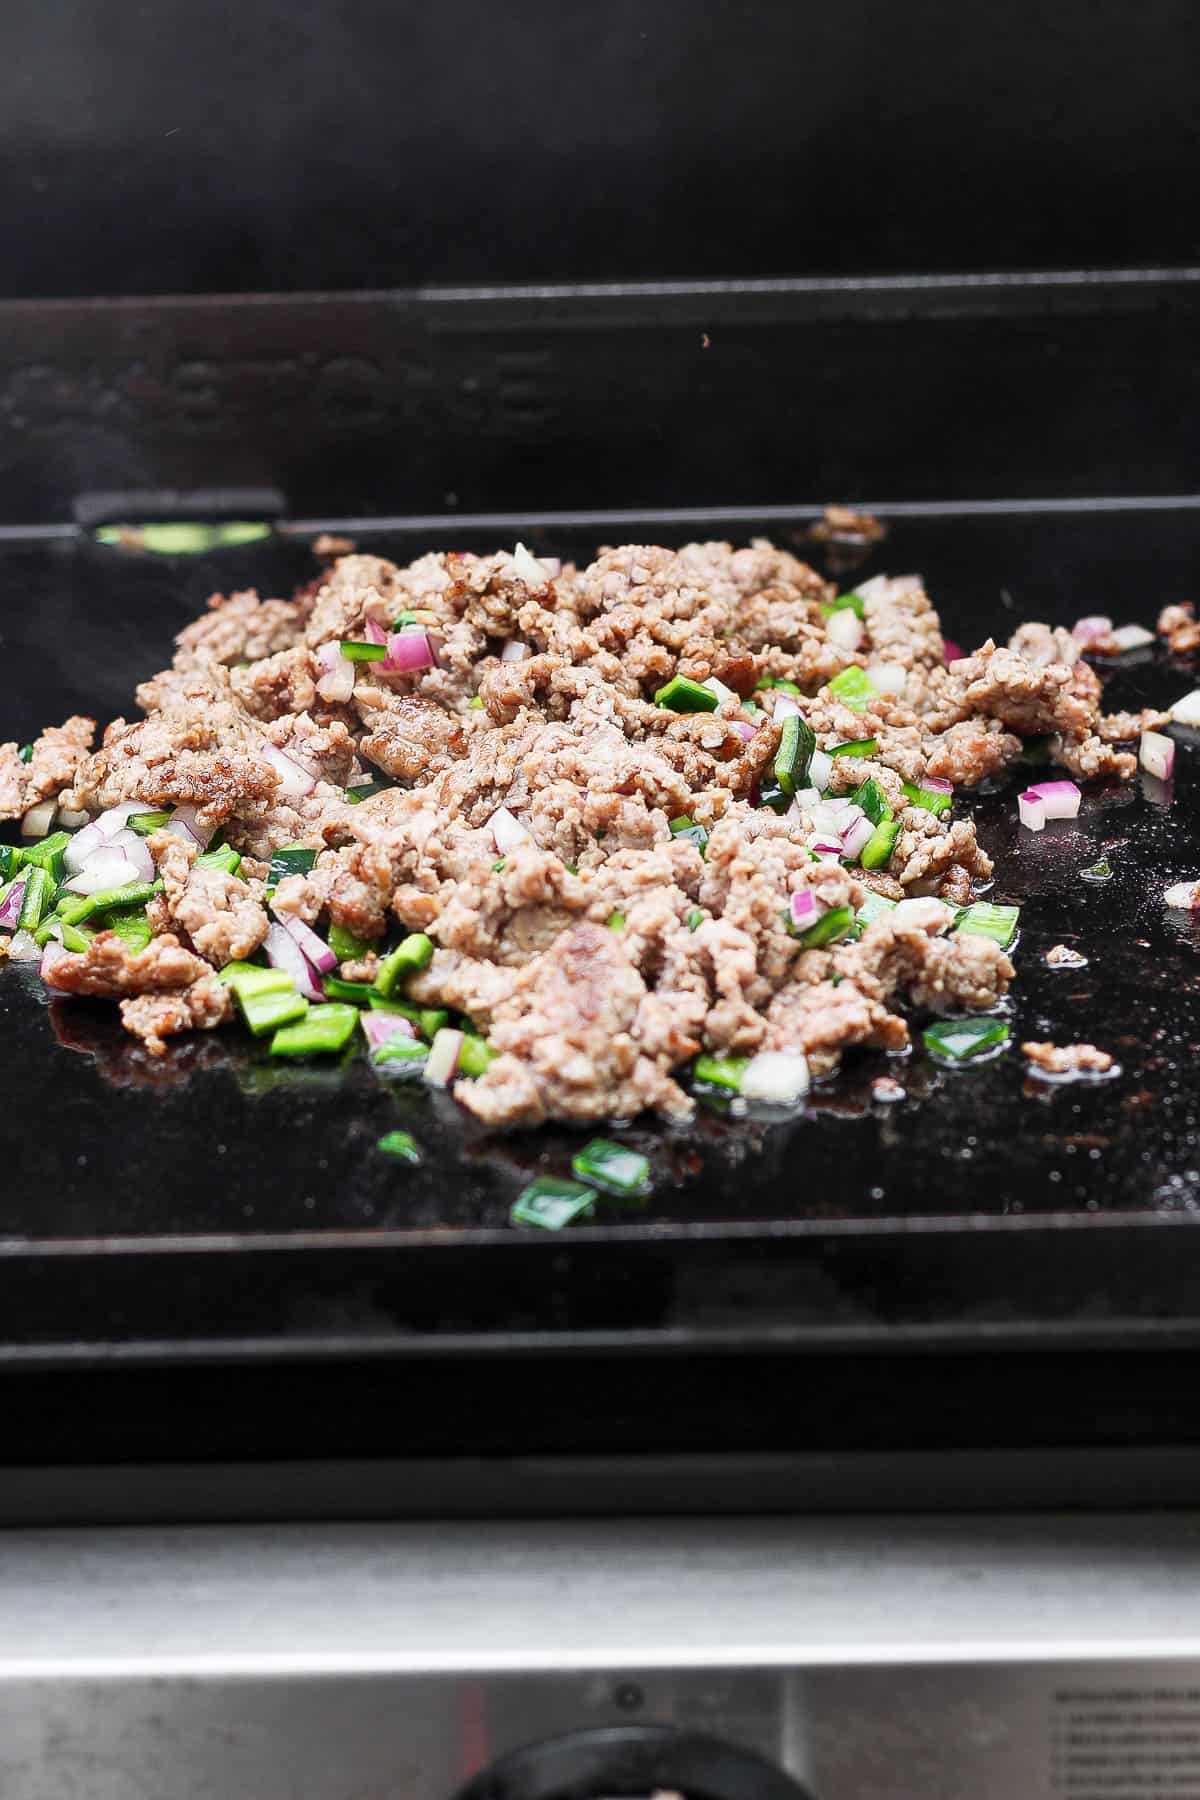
[(184, 822), (135, 850), (889, 678), (528, 569), (294, 781), (744, 729), (1096, 625), (805, 909), (776, 1077), (1156, 754), (844, 629), (515, 651), (718, 688), (840, 803), (1059, 799), (108, 867), (373, 633), (408, 652), (336, 681), (1185, 895), (52, 953), (825, 850), (10, 912), (1132, 637), (951, 652), (1030, 810), (315, 950), (84, 844), (506, 830), (284, 953), (378, 1027), (820, 769), (786, 706), (70, 820), (23, 947), (935, 784), (856, 838), (1187, 710), (441, 1065), (115, 818), (39, 819)]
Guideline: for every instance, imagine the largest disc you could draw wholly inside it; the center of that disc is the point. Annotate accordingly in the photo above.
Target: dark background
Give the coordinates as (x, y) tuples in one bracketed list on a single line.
[(183, 147)]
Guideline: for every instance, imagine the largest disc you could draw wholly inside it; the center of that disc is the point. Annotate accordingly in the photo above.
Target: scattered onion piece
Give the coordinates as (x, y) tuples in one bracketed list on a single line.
[(856, 837), (1156, 754), (314, 949), (1132, 637), (38, 820), (441, 1065), (719, 689), (1185, 895), (820, 770), (506, 830), (1187, 710), (889, 678), (1096, 625), (294, 781), (1048, 800), (776, 1077), (22, 947), (844, 629), (1031, 811), (515, 651), (70, 820), (951, 652), (106, 868), (336, 681), (805, 909), (528, 569), (409, 652), (786, 706), (373, 633), (378, 1027), (284, 953)]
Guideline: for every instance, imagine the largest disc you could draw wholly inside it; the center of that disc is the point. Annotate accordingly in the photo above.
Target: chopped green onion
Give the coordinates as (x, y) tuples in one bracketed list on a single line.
[(77, 941), (684, 696), (1098, 871), (79, 907), (147, 823), (290, 859), (357, 993), (932, 799), (475, 1054), (11, 859), (345, 946), (830, 928), (777, 681), (875, 906), (695, 918), (252, 978), (877, 851), (367, 790), (499, 867), (996, 922), (551, 1203), (226, 859), (871, 798), (36, 899), (853, 687), (961, 1038), (400, 1144), (48, 854), (686, 827), (796, 745), (720, 1071), (612, 1168), (356, 652), (25, 753), (405, 960), (615, 920), (475, 703), (266, 1012), (403, 620), (854, 602), (856, 747), (325, 1030), (133, 928)]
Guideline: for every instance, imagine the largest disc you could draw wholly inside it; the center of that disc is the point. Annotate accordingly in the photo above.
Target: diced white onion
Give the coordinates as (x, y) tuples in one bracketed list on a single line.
[(85, 843), (1187, 710), (1156, 754), (1132, 637), (106, 868), (441, 1064), (70, 820), (38, 820), (776, 1077), (873, 589), (786, 707), (22, 947), (720, 690), (820, 769), (527, 568), (1185, 895), (506, 830), (1032, 812), (134, 849), (336, 681), (844, 628), (515, 651), (185, 823), (294, 781), (889, 678)]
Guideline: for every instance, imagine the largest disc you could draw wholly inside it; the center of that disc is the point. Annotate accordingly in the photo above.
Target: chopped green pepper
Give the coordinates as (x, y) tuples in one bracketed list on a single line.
[(877, 851), (405, 960), (265, 1012), (366, 790), (475, 703), (771, 794), (324, 1031), (475, 1055), (25, 753), (401, 1050), (133, 928), (36, 897), (854, 602), (357, 993), (11, 860), (857, 747), (720, 1071), (400, 1144), (996, 922), (250, 979), (794, 754), (147, 823), (551, 1203), (684, 696), (694, 918), (853, 687), (48, 854), (875, 906), (290, 859), (777, 681), (962, 1038), (345, 946), (686, 827), (613, 1168), (830, 928), (932, 799), (870, 797), (615, 920), (225, 858), (353, 651)]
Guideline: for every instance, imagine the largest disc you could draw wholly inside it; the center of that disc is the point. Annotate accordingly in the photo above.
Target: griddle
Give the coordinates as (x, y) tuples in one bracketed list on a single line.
[(206, 1261)]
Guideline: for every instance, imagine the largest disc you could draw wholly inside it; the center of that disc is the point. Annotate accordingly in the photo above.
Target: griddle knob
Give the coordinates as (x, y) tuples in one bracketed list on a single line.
[(632, 1762)]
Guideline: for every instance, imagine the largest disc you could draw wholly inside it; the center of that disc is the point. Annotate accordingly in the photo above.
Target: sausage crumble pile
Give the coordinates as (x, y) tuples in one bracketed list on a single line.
[(600, 951)]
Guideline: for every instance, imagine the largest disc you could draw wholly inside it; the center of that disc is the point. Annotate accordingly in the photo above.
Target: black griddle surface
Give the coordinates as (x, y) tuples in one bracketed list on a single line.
[(148, 1163)]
